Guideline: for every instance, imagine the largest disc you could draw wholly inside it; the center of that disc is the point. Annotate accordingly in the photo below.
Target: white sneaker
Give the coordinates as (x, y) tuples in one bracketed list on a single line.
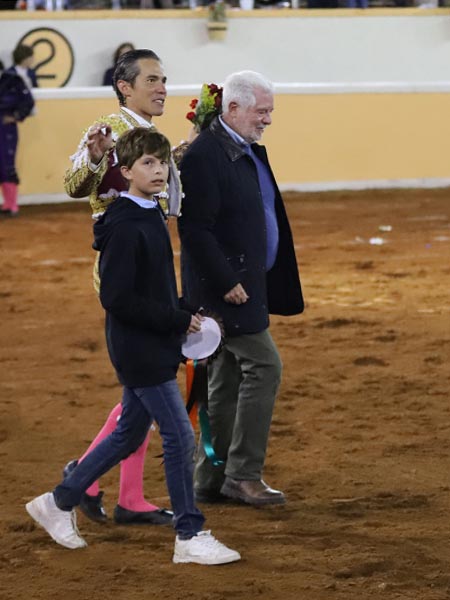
[(60, 524), (203, 549)]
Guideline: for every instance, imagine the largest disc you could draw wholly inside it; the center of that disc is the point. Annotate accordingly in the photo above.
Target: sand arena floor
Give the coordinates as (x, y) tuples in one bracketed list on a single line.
[(361, 432)]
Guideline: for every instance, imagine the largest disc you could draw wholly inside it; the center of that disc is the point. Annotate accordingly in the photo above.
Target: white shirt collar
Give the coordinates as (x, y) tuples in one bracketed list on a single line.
[(142, 122), (24, 75), (233, 134), (140, 201), (21, 70)]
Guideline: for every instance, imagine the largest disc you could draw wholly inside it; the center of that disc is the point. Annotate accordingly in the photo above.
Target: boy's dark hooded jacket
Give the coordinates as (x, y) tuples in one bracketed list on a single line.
[(144, 324)]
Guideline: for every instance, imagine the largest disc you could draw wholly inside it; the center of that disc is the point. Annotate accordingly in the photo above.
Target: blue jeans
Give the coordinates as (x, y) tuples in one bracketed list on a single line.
[(140, 406)]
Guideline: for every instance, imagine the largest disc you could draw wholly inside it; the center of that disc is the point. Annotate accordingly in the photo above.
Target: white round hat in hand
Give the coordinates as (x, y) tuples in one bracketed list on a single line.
[(203, 343)]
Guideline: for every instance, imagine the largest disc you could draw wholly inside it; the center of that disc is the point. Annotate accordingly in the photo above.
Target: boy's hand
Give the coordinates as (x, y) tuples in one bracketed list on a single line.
[(196, 323), (99, 141)]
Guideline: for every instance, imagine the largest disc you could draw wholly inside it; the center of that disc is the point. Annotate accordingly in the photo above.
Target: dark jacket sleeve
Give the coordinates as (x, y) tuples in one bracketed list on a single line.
[(16, 99), (200, 210), (118, 293)]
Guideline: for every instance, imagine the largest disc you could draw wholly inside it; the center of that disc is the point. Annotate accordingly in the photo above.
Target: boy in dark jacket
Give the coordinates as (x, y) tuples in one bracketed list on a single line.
[(16, 104), (144, 328)]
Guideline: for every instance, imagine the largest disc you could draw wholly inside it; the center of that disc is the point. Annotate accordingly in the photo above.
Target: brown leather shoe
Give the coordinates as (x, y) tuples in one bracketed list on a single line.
[(256, 493)]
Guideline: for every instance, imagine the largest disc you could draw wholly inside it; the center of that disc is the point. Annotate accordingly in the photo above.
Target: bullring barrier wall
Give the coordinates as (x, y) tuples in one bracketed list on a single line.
[(362, 97)]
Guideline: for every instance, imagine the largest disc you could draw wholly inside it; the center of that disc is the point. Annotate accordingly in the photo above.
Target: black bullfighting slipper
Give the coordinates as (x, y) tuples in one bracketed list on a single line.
[(90, 506), (160, 516)]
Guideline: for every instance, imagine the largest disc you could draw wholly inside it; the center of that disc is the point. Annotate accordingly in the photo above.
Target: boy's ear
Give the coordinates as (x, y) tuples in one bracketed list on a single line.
[(125, 172)]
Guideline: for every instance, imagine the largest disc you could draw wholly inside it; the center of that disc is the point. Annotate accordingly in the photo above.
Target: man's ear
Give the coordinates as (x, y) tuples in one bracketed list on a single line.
[(232, 107), (124, 87)]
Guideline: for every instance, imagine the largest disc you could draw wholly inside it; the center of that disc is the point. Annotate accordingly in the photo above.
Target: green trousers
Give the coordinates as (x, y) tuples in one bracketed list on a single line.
[(242, 385)]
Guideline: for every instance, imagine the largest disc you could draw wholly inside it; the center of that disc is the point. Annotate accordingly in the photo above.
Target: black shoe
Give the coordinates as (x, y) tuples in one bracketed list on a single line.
[(209, 497), (90, 506), (160, 516)]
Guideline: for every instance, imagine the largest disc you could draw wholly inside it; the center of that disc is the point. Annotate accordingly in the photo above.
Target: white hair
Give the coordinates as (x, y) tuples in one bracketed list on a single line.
[(240, 87)]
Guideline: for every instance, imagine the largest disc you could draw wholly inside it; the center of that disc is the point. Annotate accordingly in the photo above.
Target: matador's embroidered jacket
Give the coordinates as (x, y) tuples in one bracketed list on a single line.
[(103, 182)]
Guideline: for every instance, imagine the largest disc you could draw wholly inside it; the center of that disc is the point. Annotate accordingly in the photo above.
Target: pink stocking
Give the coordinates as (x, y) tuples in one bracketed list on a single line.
[(108, 427), (10, 192), (131, 495)]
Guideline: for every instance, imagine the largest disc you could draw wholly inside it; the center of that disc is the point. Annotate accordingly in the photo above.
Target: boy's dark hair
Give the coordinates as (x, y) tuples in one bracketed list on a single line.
[(139, 141), (21, 52), (127, 68)]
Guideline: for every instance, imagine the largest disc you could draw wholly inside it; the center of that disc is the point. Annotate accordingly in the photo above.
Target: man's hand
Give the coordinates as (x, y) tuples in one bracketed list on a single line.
[(99, 141), (196, 323), (236, 295)]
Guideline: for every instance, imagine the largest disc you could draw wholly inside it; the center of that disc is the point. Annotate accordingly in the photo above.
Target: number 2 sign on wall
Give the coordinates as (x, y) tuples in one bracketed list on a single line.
[(53, 56)]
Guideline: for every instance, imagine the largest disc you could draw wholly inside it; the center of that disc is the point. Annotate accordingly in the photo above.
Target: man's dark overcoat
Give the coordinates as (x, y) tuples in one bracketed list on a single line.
[(223, 234)]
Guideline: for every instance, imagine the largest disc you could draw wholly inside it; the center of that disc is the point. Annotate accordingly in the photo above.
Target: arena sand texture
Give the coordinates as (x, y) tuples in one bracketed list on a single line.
[(360, 438)]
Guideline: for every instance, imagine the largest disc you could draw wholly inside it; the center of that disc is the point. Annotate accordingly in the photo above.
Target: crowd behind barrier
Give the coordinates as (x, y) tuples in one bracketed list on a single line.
[(192, 4)]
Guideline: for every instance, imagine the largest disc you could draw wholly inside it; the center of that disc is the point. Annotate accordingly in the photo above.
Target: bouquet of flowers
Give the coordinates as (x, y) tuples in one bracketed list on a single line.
[(205, 108)]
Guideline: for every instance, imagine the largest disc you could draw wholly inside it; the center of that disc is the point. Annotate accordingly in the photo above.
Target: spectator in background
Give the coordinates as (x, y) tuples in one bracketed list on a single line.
[(428, 3), (16, 103), (323, 4), (147, 4), (108, 75), (357, 3), (23, 58), (8, 4)]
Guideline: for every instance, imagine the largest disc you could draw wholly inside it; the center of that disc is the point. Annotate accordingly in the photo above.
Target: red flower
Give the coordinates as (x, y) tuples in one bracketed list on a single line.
[(193, 103), (190, 116)]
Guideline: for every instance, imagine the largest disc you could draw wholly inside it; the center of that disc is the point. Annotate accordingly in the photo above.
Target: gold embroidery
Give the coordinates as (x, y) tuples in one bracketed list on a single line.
[(80, 181)]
